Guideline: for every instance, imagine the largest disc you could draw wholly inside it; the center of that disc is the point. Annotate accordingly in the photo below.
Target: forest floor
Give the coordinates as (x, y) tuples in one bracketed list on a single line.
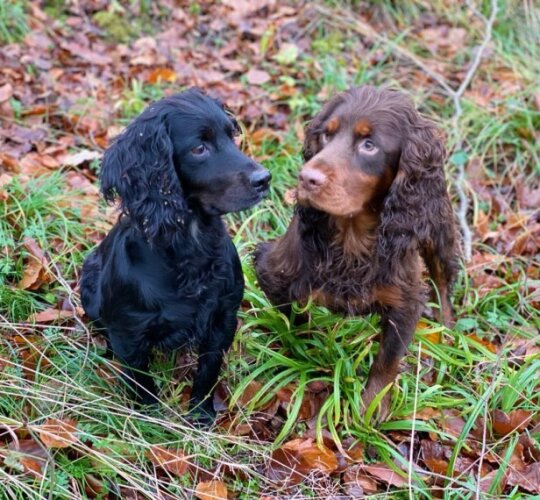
[(464, 418)]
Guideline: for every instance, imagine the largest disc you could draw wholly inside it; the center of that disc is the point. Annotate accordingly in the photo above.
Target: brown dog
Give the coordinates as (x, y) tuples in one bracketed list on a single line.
[(372, 200)]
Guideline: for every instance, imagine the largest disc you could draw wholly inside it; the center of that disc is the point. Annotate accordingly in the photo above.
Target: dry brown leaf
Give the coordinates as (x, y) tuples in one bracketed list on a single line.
[(173, 461), (252, 389), (314, 456), (36, 271), (484, 342), (435, 456), (162, 75), (211, 490), (357, 483), (297, 458), (31, 277), (6, 91), (50, 315), (425, 414), (25, 454), (57, 433), (284, 467), (452, 423), (264, 133), (76, 159), (257, 77), (385, 474), (527, 479), (505, 423), (486, 482)]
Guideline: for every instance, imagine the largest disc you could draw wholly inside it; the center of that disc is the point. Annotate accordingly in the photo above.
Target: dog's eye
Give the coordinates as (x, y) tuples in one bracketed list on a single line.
[(367, 146), (199, 150), (325, 138)]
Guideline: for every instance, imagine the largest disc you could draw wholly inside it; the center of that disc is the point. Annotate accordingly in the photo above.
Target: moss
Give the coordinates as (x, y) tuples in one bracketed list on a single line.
[(117, 27)]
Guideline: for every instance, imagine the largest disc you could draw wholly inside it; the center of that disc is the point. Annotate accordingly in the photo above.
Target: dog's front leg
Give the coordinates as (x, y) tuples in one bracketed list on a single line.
[(211, 352), (134, 352), (398, 325)]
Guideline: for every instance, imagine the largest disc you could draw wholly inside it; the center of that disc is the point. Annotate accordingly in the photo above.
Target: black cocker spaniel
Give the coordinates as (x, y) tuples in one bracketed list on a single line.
[(168, 274)]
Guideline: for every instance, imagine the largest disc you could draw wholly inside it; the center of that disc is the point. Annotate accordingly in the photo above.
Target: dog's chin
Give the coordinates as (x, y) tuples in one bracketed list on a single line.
[(307, 201), (237, 204)]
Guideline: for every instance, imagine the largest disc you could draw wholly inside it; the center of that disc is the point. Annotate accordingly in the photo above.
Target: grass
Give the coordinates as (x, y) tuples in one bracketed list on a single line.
[(13, 24), (59, 371)]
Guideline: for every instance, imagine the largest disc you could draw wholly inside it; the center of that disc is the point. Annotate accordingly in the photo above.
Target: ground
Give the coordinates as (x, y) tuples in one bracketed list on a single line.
[(464, 415)]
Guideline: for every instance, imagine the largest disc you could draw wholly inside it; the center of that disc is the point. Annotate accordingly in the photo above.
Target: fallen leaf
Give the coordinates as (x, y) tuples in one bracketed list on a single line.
[(76, 159), (284, 467), (452, 423), (93, 486), (257, 77), (35, 272), (425, 414), (297, 458), (57, 433), (385, 474), (434, 456), (162, 75), (505, 423), (26, 455), (173, 461), (528, 479), (263, 133), (313, 455), (358, 483), (486, 482), (251, 390), (6, 91), (211, 490), (50, 315), (484, 342)]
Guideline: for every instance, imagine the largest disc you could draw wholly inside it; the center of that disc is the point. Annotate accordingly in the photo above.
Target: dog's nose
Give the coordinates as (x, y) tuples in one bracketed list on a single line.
[(260, 179), (311, 178)]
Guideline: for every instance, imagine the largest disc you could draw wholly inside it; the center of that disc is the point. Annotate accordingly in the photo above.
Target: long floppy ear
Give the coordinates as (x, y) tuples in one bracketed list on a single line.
[(417, 210), (139, 168)]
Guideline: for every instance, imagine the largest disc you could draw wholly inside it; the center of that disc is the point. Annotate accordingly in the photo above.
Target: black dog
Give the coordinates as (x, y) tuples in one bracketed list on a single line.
[(168, 274)]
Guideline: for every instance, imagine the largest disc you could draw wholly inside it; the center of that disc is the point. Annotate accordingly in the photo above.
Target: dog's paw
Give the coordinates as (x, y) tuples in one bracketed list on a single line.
[(202, 414)]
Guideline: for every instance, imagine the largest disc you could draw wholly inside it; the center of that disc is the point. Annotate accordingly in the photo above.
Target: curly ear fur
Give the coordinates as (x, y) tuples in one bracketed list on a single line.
[(418, 196), (139, 168)]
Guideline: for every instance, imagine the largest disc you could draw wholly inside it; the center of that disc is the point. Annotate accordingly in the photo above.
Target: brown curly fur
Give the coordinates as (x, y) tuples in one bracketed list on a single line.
[(356, 240)]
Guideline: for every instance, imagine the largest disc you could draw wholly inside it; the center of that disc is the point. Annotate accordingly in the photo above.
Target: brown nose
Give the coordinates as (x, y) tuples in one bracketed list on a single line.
[(311, 178)]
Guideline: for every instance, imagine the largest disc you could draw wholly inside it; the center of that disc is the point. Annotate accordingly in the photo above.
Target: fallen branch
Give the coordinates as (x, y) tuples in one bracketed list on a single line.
[(367, 31)]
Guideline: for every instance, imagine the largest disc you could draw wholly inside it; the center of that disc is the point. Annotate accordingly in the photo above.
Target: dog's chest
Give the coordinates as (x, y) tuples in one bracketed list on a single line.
[(199, 276), (342, 283)]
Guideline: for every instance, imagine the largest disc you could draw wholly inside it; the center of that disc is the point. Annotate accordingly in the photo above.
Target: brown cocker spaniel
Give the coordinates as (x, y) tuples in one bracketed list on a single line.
[(372, 200)]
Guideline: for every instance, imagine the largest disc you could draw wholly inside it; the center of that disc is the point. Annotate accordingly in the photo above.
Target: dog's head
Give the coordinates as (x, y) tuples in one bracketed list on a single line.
[(180, 156), (365, 143)]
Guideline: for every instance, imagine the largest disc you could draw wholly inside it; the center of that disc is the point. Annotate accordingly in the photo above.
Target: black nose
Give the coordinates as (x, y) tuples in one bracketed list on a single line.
[(260, 179)]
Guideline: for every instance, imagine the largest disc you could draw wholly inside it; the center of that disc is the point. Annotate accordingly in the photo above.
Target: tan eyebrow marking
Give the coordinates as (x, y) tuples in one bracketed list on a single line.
[(333, 125), (362, 127)]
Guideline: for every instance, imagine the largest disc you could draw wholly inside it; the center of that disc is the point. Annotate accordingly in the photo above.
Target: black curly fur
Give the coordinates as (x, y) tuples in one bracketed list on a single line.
[(168, 274)]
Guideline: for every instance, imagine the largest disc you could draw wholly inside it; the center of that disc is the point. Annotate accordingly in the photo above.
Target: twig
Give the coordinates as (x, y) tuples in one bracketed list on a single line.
[(455, 94), (460, 182), (413, 428)]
